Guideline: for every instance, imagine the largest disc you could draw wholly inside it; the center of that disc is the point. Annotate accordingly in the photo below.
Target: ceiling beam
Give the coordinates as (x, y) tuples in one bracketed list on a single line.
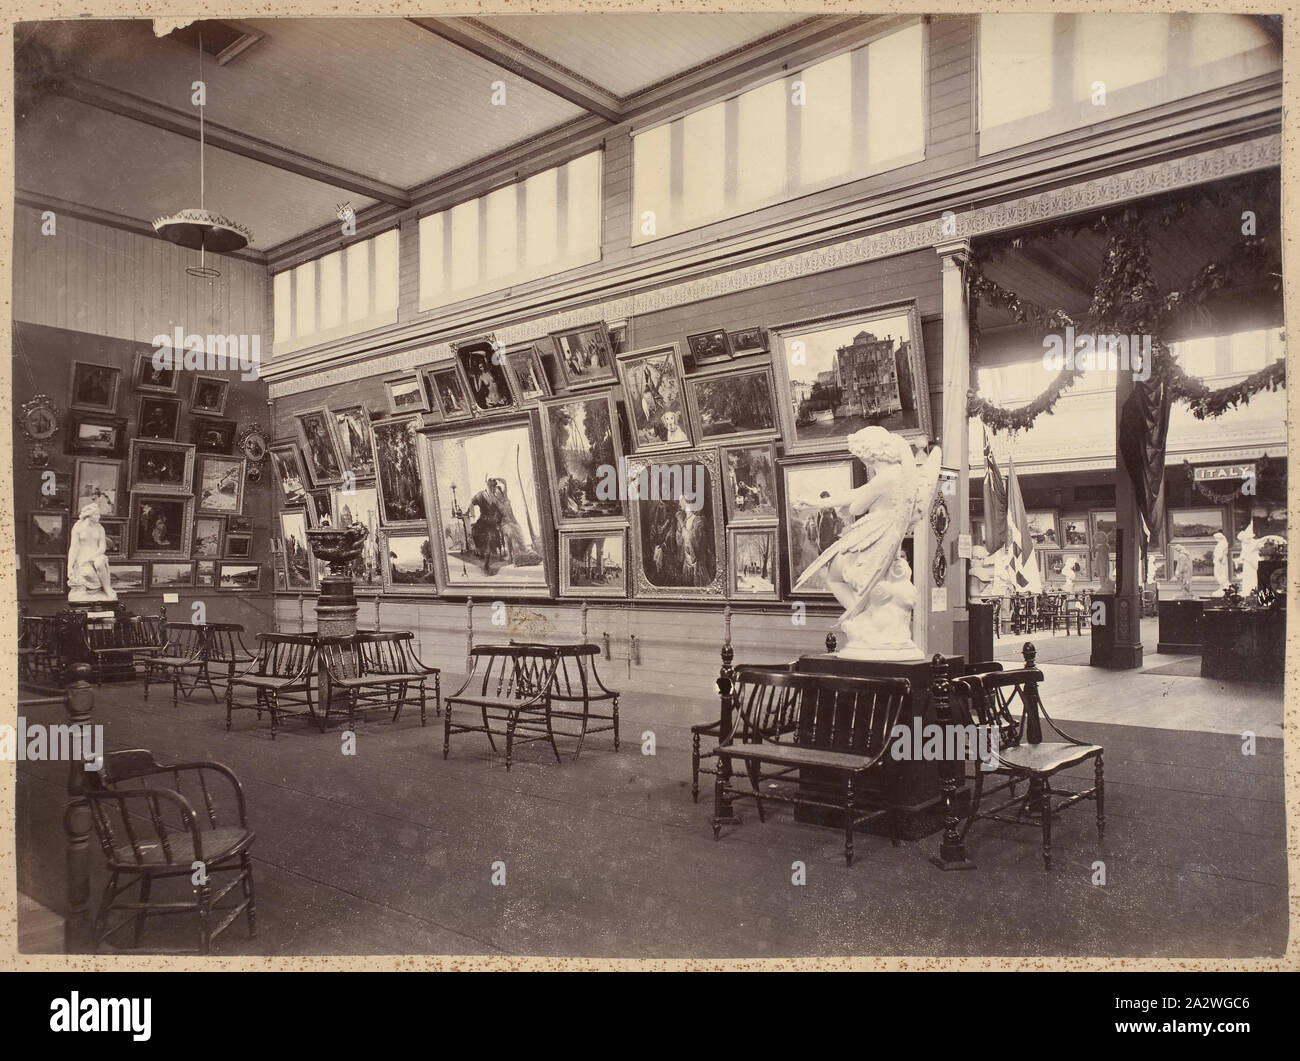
[(139, 109), (501, 51)]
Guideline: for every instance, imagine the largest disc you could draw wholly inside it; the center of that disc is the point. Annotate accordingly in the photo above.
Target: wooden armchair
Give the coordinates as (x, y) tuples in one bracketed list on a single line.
[(714, 729), (37, 654), (1021, 754), (158, 822), (510, 688), (279, 676)]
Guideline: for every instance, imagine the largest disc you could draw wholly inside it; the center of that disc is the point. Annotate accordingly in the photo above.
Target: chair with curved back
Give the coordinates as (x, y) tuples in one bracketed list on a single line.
[(184, 653)]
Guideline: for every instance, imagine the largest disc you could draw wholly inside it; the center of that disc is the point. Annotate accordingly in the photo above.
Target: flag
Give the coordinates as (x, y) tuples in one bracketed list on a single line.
[(1024, 566), (995, 502)]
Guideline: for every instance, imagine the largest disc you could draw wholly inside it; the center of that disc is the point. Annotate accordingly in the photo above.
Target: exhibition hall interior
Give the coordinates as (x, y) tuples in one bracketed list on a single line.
[(640, 485)]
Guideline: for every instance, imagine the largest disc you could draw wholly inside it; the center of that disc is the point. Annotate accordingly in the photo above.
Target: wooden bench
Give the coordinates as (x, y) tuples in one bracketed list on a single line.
[(781, 727), (510, 688), (577, 683), (374, 670), (714, 729), (184, 655), (115, 646), (280, 676)]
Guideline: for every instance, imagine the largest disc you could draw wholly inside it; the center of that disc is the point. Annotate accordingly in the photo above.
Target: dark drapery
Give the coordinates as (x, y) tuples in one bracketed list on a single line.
[(1143, 427)]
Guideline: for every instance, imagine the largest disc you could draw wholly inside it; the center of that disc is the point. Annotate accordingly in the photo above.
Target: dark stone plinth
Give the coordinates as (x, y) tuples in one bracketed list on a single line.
[(980, 633), (1180, 627), (915, 788), (336, 607), (72, 643), (1243, 644), (1116, 631)]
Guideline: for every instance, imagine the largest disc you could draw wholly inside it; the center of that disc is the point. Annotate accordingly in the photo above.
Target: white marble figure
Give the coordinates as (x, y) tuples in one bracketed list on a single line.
[(865, 569), (1250, 549), (1222, 566), (1101, 564), (1004, 579), (1071, 574), (1182, 569), (88, 578)]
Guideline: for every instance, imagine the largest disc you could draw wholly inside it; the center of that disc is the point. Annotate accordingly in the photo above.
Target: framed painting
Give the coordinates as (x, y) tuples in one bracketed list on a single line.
[(620, 336), (749, 483), (151, 379), (300, 564), (593, 563), (171, 574), (752, 563), (356, 443), (159, 418), (208, 395), (320, 448), (525, 367), (584, 354), (211, 435), (813, 519), (484, 366), (162, 526), (1185, 523), (361, 506), (401, 487), (746, 341), (451, 392), (678, 529), (836, 375), (97, 480), (116, 535), (486, 485), (405, 394), (47, 534), (160, 467), (1202, 553), (94, 387), (205, 573), (236, 577), (130, 577), (733, 406), (1042, 528), (707, 348), (287, 463), (54, 489), (1053, 561), (220, 485), (47, 577), (238, 546), (209, 534), (408, 562), (319, 505), (1074, 531), (585, 458), (95, 436), (656, 400), (1103, 525)]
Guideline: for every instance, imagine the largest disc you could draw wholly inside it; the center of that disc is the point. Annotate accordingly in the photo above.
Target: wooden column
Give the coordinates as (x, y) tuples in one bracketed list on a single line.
[(79, 701), (1126, 651), (952, 848)]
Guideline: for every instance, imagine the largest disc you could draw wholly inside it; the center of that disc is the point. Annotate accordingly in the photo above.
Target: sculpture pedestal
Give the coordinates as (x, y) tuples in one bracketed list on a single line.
[(980, 638), (1244, 644), (915, 787), (1180, 627), (72, 640), (336, 607), (1117, 631)]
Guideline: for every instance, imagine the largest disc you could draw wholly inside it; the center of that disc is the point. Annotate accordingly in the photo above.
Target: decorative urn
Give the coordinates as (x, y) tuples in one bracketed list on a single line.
[(336, 607)]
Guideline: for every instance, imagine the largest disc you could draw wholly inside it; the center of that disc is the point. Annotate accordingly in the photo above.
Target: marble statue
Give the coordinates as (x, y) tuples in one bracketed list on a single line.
[(1182, 569), (88, 578), (1101, 564), (1222, 566), (1071, 574), (865, 569), (1250, 549)]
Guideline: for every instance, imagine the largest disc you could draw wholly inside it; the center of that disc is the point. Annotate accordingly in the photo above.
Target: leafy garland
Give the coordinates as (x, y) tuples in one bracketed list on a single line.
[(1126, 301)]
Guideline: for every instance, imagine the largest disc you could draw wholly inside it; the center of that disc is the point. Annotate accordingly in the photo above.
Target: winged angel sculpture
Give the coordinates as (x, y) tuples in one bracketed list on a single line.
[(866, 569)]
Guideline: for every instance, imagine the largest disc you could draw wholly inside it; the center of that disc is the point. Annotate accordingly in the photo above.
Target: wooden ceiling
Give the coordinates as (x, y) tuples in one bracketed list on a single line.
[(318, 112)]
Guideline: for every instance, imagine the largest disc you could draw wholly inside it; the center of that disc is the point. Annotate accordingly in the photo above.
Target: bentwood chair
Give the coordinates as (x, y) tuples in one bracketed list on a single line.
[(184, 824)]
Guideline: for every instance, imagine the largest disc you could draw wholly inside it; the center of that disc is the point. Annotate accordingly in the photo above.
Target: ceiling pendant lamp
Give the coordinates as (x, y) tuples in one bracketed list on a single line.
[(199, 228)]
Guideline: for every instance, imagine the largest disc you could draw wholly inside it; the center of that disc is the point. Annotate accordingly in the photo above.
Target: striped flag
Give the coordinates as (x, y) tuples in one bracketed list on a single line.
[(1024, 567), (995, 501)]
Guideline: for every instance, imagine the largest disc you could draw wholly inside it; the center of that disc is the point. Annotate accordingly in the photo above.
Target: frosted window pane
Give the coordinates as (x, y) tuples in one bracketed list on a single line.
[(283, 306), (464, 245), (826, 128), (760, 143), (304, 282), (895, 122), (584, 207), (703, 140), (652, 170), (1015, 66), (540, 219), (358, 262), (431, 275), (501, 252), (386, 272), (1118, 51), (331, 290)]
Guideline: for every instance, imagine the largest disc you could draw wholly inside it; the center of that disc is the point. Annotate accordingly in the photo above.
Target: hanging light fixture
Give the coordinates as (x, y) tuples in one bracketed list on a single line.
[(200, 229)]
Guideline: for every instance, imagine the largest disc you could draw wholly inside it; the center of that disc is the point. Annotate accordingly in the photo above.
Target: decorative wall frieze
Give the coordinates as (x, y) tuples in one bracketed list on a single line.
[(1198, 168)]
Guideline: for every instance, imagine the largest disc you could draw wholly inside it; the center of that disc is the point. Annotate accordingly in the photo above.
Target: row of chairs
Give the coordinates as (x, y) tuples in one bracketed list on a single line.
[(1026, 613)]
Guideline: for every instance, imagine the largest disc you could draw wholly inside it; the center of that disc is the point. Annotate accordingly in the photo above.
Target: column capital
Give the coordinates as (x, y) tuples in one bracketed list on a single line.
[(954, 252)]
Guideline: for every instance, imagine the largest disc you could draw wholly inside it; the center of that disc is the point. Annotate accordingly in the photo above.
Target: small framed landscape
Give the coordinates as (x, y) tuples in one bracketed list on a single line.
[(731, 406), (585, 355), (237, 577), (408, 560), (159, 418), (208, 395), (47, 534), (238, 546), (209, 533), (812, 522), (162, 526), (746, 341), (128, 577), (1042, 528), (150, 379), (205, 573), (220, 485), (1193, 523), (94, 387), (47, 576), (752, 563), (116, 536), (483, 364), (405, 395), (89, 435), (160, 467), (580, 435), (361, 506), (296, 552), (356, 444), (525, 365), (171, 574), (706, 348), (401, 487), (1103, 526), (61, 494), (97, 481), (211, 435), (593, 563), (656, 401), (749, 483)]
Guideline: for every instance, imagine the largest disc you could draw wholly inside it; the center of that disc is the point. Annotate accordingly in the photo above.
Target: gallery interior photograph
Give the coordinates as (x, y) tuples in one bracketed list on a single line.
[(650, 485)]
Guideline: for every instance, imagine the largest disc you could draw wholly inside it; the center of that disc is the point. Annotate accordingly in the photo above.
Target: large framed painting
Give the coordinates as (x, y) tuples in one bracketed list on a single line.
[(97, 481), (749, 483), (151, 379), (1042, 528), (320, 448), (406, 394), (361, 506), (159, 418), (733, 406), (401, 487), (584, 456), (525, 365), (593, 563), (487, 486), (160, 467), (484, 365), (752, 563), (162, 526), (813, 522), (449, 388), (1185, 523), (1104, 524), (1074, 531), (46, 576), (209, 533), (356, 446), (288, 473), (678, 529), (129, 577), (237, 576), (656, 400), (836, 375), (300, 564), (213, 435), (585, 355), (94, 387), (408, 562), (47, 534), (221, 485), (91, 435)]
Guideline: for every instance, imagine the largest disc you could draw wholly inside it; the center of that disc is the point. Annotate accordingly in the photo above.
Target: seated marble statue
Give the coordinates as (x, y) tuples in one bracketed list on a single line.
[(866, 569), (88, 577)]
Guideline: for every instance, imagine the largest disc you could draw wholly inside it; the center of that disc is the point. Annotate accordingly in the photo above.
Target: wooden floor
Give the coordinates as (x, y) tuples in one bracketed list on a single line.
[(391, 851)]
